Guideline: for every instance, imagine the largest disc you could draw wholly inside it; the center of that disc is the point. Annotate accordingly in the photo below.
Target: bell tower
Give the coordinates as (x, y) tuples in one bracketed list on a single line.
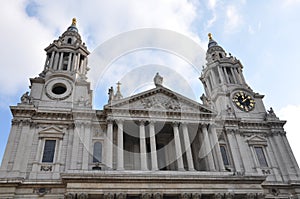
[(63, 81), (225, 87)]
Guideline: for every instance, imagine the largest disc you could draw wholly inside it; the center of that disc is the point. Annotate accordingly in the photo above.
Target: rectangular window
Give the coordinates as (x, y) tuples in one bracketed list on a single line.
[(97, 152), (261, 156), (49, 150), (224, 155)]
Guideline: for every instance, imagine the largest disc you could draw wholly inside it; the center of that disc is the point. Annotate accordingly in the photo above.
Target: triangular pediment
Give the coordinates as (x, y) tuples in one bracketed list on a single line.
[(257, 140), (51, 132), (159, 99)]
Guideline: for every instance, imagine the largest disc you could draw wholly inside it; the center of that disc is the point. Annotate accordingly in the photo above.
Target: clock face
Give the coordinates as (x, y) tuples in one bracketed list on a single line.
[(243, 101)]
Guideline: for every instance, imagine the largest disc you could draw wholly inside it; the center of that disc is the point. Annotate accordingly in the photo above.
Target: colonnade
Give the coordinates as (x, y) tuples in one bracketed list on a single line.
[(182, 142), (55, 61)]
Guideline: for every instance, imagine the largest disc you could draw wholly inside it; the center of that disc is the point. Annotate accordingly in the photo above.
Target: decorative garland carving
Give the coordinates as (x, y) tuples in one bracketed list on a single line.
[(46, 168), (158, 102)]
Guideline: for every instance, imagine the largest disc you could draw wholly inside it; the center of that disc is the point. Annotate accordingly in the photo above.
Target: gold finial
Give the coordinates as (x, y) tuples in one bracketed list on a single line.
[(74, 22), (209, 35)]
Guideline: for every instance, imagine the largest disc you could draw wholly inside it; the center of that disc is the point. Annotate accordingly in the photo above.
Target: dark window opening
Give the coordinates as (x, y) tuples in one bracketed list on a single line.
[(49, 150), (220, 55), (59, 89), (97, 153), (230, 75), (65, 67), (69, 41), (261, 156), (224, 155)]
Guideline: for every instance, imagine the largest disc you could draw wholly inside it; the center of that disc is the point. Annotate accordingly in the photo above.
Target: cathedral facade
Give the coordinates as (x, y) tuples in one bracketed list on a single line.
[(156, 144)]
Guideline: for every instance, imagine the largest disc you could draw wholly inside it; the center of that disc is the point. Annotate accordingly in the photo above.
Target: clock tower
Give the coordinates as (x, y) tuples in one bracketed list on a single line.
[(225, 86), (62, 84)]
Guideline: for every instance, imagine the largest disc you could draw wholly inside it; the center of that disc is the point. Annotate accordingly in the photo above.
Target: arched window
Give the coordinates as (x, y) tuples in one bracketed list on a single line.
[(97, 153), (69, 41)]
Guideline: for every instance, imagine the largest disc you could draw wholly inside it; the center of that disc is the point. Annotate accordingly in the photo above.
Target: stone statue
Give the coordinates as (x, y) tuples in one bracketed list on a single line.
[(271, 112), (204, 99), (110, 94), (158, 80), (26, 98), (270, 115)]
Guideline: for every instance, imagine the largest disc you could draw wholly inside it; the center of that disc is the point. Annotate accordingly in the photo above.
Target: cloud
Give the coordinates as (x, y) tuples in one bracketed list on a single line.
[(23, 40), (233, 19), (291, 114), (212, 4), (252, 29), (290, 3), (31, 25)]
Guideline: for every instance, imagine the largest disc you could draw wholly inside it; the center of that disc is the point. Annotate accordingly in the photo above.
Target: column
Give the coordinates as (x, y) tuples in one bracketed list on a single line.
[(234, 150), (153, 147), (178, 150), (86, 145), (74, 58), (143, 150), (238, 78), (47, 59), (217, 148), (273, 161), (226, 75), (55, 65), (120, 152), (187, 146), (58, 149), (20, 158), (60, 61), (233, 75), (245, 156), (10, 146), (214, 78), (75, 146), (78, 62), (279, 160), (51, 60), (292, 157), (286, 157), (208, 149), (109, 144), (69, 61), (221, 74)]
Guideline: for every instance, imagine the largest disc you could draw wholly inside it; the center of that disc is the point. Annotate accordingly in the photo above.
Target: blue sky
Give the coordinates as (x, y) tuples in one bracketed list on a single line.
[(264, 36)]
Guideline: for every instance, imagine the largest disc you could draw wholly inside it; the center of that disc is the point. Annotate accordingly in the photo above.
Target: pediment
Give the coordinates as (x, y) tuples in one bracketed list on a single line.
[(51, 132), (257, 140), (159, 99)]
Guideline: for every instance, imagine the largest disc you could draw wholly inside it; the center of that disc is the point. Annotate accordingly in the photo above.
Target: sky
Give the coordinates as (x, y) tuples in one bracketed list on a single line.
[(262, 35)]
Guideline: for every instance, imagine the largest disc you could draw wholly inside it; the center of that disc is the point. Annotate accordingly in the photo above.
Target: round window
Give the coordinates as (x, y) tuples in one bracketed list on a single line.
[(59, 89)]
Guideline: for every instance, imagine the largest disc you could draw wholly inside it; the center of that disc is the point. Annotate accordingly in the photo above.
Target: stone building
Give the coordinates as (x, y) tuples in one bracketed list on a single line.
[(155, 144)]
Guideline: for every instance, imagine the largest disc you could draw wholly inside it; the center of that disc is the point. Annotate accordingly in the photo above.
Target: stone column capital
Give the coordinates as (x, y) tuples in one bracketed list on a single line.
[(141, 122), (218, 196), (152, 122), (185, 196), (250, 196), (109, 121), (146, 196), (119, 121), (108, 196), (196, 196), (157, 196), (121, 196), (229, 195), (175, 124)]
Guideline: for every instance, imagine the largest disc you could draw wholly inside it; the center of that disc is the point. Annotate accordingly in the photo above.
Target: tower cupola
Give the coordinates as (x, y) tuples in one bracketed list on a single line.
[(214, 51), (68, 54)]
